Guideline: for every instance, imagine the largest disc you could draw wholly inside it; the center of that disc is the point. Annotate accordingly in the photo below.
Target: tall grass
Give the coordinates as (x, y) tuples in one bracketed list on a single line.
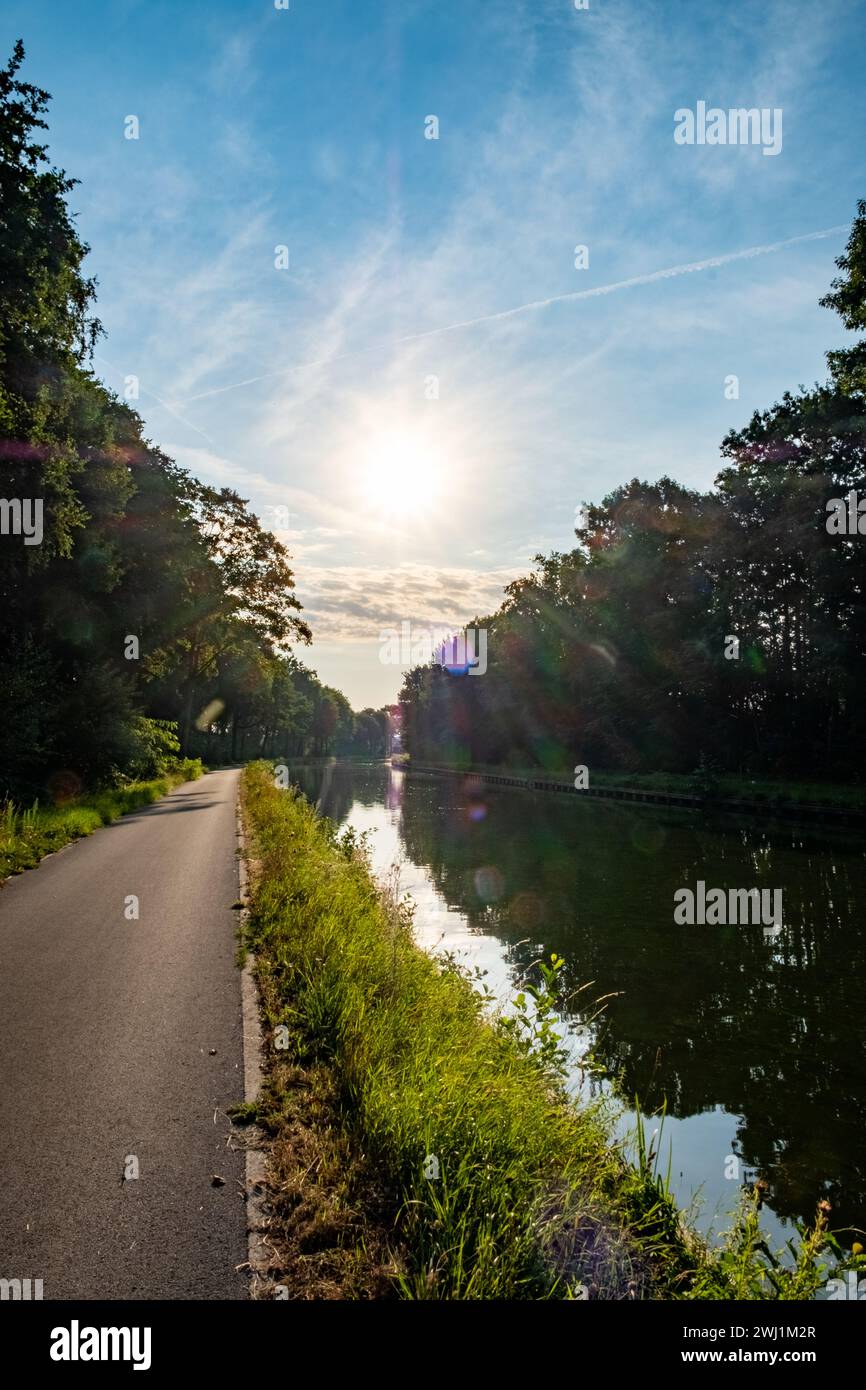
[(498, 1186), (27, 835)]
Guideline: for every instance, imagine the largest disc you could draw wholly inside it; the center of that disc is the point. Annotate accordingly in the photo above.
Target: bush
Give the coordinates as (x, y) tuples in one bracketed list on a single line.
[(156, 747)]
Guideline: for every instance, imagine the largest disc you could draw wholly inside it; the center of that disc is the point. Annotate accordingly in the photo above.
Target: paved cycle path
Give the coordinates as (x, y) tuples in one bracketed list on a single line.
[(121, 1047)]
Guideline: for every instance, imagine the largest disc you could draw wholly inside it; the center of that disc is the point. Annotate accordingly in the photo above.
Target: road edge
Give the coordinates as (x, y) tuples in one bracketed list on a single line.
[(256, 1171)]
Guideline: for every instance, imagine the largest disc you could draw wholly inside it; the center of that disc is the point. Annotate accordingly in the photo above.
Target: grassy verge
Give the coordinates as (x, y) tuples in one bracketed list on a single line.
[(26, 836), (422, 1148), (716, 788), (723, 788)]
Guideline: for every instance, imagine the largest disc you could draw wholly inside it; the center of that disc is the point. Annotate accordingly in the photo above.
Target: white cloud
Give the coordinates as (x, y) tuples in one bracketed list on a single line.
[(354, 603)]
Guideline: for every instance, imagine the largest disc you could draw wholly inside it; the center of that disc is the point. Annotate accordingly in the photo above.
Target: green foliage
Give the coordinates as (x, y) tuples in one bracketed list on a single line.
[(848, 298), (536, 1021), (744, 1266), (133, 546), (159, 747), (27, 835), (704, 781), (419, 1072), (533, 1198), (613, 655)]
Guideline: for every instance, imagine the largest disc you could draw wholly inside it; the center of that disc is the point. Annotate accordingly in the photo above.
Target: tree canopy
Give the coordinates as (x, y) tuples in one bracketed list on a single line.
[(157, 613), (616, 654)]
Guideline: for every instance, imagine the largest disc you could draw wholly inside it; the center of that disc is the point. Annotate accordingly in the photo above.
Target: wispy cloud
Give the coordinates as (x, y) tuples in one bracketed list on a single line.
[(669, 273), (414, 260), (355, 603)]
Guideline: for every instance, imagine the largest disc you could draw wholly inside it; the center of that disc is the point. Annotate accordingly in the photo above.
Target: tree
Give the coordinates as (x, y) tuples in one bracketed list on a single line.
[(616, 654), (152, 599)]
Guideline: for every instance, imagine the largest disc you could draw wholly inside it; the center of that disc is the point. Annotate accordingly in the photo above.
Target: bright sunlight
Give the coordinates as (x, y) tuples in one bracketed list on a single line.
[(402, 472)]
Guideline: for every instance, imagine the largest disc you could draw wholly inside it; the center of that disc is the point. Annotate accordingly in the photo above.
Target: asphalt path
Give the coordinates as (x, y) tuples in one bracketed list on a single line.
[(121, 1048)]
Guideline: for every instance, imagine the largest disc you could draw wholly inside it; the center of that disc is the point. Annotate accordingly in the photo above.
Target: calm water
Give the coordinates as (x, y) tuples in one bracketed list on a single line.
[(758, 1047)]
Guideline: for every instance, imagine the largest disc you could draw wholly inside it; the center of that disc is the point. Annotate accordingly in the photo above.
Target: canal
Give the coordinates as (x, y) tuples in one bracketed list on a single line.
[(753, 1040)]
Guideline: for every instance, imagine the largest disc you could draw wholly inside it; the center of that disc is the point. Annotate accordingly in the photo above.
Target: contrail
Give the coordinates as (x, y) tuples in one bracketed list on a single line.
[(711, 263), (98, 358)]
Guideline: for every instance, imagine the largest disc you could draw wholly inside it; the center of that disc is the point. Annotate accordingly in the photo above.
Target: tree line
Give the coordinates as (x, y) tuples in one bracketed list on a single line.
[(717, 631), (148, 615)]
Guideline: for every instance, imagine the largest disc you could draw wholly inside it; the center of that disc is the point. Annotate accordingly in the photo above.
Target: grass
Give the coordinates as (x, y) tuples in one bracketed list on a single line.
[(26, 836), (722, 786), (424, 1148), (742, 788)]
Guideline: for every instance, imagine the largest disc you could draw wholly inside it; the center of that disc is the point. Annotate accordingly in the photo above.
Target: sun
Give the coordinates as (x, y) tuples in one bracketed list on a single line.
[(401, 472)]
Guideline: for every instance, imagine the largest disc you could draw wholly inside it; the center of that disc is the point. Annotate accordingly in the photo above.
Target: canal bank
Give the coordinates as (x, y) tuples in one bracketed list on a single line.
[(742, 1038), (775, 803), (402, 1075)]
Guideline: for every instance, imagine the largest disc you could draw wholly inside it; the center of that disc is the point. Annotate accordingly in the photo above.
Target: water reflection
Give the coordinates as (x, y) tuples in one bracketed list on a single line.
[(757, 1046)]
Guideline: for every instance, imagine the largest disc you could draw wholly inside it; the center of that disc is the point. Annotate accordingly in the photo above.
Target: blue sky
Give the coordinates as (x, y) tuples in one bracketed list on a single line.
[(308, 388)]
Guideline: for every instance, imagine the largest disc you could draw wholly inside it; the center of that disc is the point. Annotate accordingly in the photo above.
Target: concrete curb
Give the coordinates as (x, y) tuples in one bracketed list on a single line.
[(256, 1161)]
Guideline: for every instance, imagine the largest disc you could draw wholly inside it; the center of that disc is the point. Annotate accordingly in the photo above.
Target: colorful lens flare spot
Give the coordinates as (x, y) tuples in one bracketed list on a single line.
[(488, 884)]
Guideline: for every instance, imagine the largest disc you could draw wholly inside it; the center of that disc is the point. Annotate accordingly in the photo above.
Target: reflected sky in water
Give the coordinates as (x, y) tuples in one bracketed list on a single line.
[(757, 1047)]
